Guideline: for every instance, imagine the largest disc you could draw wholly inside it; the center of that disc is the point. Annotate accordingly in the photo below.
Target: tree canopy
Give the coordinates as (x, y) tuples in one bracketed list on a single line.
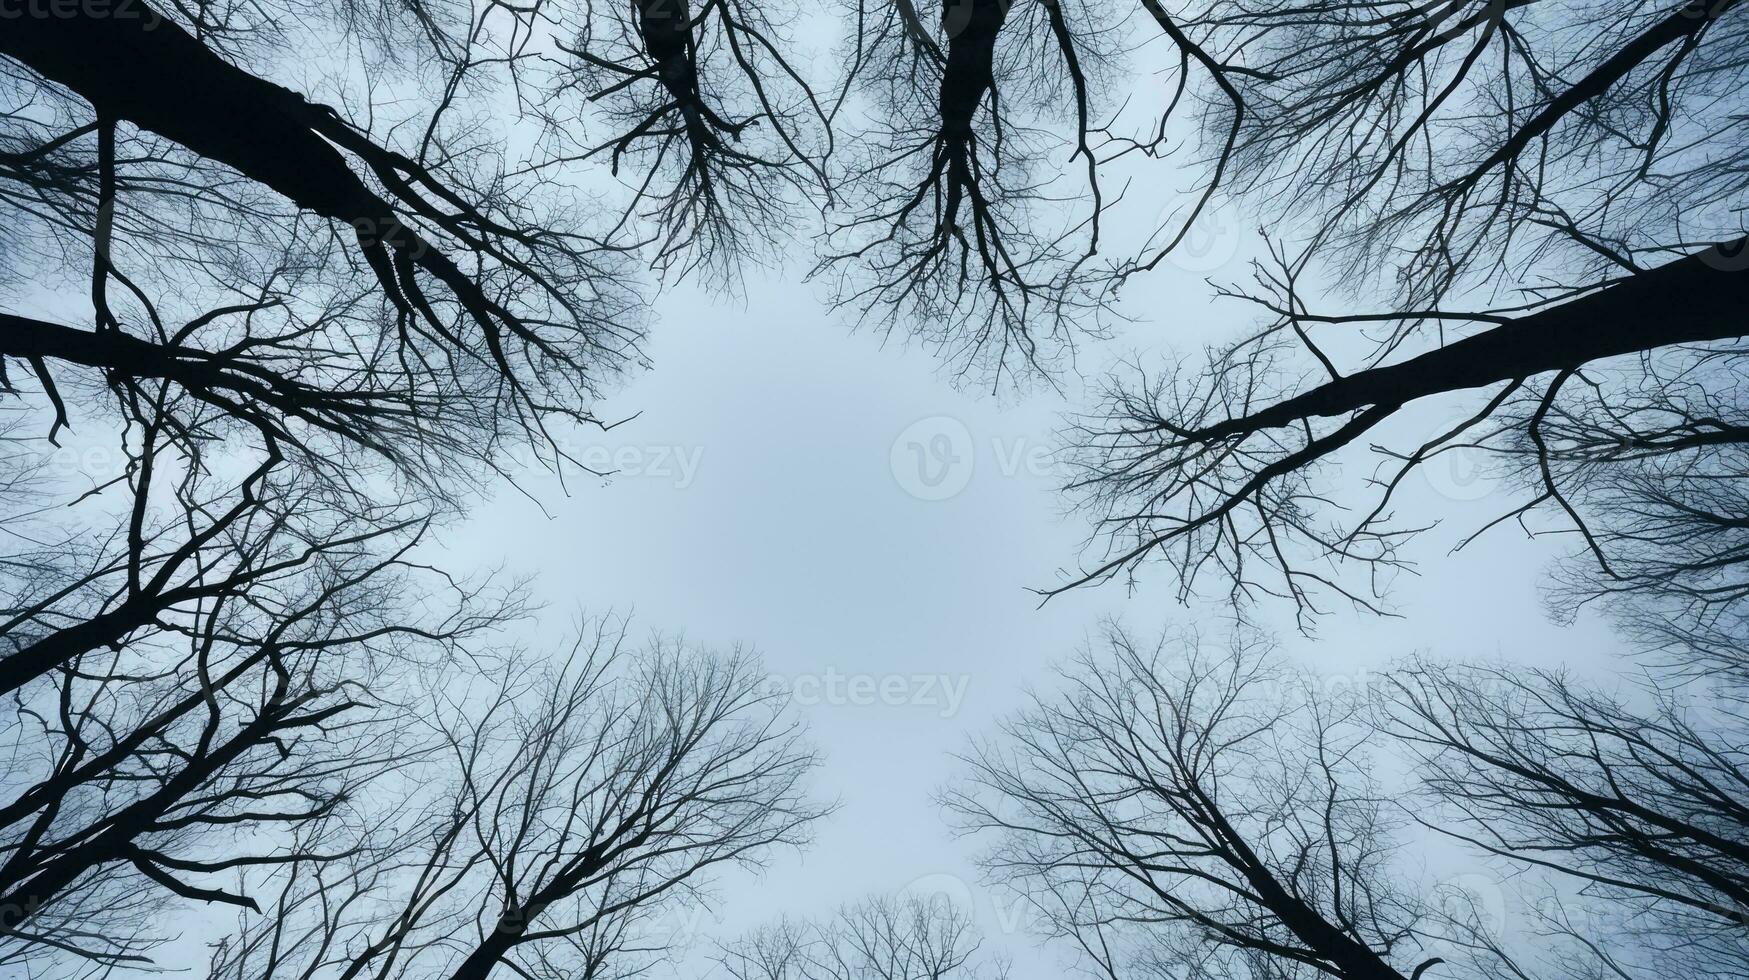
[(324, 272)]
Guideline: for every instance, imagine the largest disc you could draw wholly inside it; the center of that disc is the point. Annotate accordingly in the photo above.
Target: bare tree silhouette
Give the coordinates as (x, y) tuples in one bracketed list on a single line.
[(878, 937), (317, 302), (1644, 810), (953, 229), (724, 133), (483, 313), (1570, 153), (255, 696), (575, 805), (1194, 812)]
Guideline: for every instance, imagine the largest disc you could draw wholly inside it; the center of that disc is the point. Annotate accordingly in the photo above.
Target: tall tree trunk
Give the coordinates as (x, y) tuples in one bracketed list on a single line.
[(1696, 299)]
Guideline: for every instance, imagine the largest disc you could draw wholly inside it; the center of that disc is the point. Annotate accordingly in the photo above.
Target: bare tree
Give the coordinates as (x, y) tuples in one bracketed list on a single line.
[(901, 937), (1198, 813), (879, 938), (778, 951), (575, 805), (1569, 155), (184, 542), (213, 206), (149, 766), (954, 228), (171, 660), (314, 310), (726, 139), (1644, 810)]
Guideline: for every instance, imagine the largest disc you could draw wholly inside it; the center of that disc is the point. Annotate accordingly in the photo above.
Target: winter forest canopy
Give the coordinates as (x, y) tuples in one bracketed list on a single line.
[(330, 276)]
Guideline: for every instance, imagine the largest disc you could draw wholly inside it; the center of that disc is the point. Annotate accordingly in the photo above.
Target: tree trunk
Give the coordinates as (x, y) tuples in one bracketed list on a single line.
[(152, 73), (55, 649), (1697, 299)]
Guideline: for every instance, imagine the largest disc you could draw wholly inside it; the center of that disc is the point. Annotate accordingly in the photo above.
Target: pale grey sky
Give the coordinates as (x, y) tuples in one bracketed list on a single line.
[(837, 504), (770, 496)]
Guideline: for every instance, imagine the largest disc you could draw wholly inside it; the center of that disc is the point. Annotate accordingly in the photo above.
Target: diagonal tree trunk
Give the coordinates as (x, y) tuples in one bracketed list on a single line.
[(152, 73), (1696, 299)]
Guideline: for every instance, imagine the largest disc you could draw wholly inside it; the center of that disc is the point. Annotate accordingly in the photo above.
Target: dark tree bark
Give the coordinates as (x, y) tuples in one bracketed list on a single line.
[(1213, 799), (575, 805), (1694, 300)]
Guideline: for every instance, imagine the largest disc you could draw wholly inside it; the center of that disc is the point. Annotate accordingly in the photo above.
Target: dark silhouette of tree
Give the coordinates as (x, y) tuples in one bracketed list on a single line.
[(189, 528), (953, 226), (1193, 812), (316, 302), (575, 805), (1174, 812), (879, 937), (1644, 809), (778, 951), (724, 136), (292, 270), (1573, 156), (308, 335), (153, 759)]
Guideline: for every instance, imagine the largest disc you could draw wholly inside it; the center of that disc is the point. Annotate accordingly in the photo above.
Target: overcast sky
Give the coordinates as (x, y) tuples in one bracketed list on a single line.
[(839, 505), (873, 532)]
